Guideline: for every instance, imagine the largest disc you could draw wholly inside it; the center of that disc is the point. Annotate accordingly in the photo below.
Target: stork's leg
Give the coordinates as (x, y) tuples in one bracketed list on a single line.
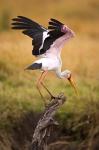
[(47, 90), (40, 82), (44, 75), (38, 87)]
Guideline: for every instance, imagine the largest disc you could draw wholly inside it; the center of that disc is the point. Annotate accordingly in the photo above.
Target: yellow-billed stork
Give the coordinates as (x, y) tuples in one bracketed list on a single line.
[(47, 45)]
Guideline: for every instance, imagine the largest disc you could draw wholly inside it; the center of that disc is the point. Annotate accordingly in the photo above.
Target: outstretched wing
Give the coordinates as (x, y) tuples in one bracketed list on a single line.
[(33, 30), (55, 32), (44, 40)]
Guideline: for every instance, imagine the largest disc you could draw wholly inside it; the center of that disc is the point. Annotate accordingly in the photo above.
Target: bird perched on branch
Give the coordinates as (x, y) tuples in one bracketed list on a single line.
[(47, 45)]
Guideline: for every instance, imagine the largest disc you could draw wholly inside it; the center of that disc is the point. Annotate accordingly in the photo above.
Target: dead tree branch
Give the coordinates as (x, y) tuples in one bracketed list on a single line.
[(46, 122)]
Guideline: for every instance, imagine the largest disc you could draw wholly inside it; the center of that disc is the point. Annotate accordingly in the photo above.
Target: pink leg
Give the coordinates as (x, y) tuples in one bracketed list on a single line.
[(38, 86), (40, 82)]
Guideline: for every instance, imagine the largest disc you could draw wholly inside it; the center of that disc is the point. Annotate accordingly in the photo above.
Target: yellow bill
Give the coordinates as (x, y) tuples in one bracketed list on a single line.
[(73, 84)]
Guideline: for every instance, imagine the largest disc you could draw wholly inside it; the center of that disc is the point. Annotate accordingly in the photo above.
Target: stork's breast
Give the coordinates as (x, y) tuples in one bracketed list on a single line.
[(50, 64)]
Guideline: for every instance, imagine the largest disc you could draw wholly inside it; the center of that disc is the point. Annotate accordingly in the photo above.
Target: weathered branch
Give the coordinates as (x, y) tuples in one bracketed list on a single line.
[(43, 128)]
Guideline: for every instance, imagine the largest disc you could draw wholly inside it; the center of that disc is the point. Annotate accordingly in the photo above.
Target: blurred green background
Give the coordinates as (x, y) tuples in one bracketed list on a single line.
[(18, 94)]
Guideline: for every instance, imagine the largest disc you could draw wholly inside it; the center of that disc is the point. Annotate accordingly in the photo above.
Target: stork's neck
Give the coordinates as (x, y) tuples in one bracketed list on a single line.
[(63, 74), (59, 73)]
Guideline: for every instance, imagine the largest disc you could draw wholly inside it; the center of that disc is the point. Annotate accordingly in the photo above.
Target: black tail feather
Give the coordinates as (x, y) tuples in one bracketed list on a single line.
[(34, 66)]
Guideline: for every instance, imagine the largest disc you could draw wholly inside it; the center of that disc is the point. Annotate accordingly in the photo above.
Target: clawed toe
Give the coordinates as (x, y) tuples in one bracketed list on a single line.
[(52, 97)]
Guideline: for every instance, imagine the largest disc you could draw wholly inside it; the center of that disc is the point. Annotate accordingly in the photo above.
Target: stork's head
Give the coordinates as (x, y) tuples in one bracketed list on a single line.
[(67, 31), (68, 75)]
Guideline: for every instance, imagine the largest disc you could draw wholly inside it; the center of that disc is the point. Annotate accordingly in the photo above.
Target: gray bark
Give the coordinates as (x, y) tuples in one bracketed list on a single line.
[(43, 129)]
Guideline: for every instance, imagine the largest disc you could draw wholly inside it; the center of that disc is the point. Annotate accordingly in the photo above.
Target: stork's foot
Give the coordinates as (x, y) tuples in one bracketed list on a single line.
[(52, 97), (56, 97)]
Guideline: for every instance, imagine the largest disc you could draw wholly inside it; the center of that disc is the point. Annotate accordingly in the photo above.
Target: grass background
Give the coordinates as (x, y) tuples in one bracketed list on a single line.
[(18, 94)]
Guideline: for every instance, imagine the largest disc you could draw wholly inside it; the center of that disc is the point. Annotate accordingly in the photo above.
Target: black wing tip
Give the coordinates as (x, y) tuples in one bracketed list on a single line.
[(22, 17), (13, 19), (17, 17), (56, 21), (53, 19)]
